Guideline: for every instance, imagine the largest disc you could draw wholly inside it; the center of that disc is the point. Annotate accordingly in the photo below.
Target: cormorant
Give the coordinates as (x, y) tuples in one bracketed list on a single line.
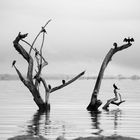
[(13, 63), (128, 40), (36, 52), (115, 45), (63, 82), (49, 86), (115, 86)]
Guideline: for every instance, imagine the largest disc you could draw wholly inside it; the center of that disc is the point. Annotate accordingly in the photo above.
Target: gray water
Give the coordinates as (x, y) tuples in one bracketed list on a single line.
[(68, 116)]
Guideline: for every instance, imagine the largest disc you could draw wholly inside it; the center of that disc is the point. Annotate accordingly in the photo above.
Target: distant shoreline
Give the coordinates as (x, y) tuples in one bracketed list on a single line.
[(67, 77)]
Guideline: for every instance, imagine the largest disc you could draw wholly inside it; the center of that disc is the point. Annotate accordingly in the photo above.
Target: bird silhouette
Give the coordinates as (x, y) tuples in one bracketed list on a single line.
[(43, 30), (115, 86), (13, 63), (128, 40), (49, 86), (115, 45), (63, 82), (36, 52)]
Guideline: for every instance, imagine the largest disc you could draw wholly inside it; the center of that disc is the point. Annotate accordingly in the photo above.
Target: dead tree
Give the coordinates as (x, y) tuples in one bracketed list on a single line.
[(95, 102), (32, 81)]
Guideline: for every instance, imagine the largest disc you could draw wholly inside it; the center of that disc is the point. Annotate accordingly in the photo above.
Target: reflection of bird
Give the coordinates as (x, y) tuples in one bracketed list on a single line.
[(115, 86), (115, 45), (49, 86), (13, 63), (63, 82), (128, 40)]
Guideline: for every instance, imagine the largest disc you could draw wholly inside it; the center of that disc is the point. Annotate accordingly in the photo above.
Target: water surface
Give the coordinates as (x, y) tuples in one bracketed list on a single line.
[(68, 116)]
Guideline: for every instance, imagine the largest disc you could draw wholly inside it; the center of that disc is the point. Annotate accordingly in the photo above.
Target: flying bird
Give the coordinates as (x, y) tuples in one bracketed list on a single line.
[(63, 82), (13, 63), (128, 40), (115, 86), (115, 45)]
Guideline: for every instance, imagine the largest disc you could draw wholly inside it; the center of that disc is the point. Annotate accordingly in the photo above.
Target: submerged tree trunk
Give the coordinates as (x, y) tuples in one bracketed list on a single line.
[(32, 82), (94, 102)]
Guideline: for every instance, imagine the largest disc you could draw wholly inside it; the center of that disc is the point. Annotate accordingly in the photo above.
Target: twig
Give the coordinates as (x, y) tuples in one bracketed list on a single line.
[(38, 35)]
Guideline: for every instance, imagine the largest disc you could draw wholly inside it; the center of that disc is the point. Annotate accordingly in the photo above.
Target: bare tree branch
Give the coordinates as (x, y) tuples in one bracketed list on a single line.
[(35, 51), (38, 35), (24, 53), (106, 60), (68, 82)]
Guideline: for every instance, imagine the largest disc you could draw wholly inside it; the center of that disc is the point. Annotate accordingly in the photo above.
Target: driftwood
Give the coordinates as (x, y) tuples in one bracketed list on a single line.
[(94, 102), (32, 81)]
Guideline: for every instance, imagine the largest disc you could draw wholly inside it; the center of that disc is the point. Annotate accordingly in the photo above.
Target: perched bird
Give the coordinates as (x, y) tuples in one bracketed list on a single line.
[(49, 86), (115, 86), (63, 82), (36, 52), (115, 45), (128, 40), (43, 30), (13, 63)]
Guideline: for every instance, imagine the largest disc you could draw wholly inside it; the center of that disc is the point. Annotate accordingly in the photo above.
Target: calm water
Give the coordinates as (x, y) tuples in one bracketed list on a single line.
[(68, 116)]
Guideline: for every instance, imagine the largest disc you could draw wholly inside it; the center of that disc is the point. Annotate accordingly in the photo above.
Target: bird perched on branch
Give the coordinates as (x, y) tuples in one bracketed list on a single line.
[(36, 52), (63, 82), (43, 30), (128, 40), (13, 63), (115, 86), (49, 86), (115, 45)]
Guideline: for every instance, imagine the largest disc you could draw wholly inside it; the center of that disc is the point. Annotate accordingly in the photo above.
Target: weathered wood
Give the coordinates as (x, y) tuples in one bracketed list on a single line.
[(33, 82), (94, 102), (28, 82), (67, 83), (114, 100)]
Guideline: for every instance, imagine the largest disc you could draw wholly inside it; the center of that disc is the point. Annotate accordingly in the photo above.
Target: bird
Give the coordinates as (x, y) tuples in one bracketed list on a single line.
[(128, 40), (115, 45), (13, 63), (49, 86), (63, 82), (115, 86), (36, 52), (43, 30)]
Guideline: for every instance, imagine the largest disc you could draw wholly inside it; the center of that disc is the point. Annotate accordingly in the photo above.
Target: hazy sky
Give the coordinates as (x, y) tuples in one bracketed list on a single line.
[(79, 36)]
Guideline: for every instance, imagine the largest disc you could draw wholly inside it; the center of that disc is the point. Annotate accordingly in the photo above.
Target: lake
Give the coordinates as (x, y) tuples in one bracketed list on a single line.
[(68, 116)]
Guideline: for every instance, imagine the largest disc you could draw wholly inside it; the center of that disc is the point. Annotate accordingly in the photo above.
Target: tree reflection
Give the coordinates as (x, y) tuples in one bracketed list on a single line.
[(35, 123), (116, 114), (95, 117)]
